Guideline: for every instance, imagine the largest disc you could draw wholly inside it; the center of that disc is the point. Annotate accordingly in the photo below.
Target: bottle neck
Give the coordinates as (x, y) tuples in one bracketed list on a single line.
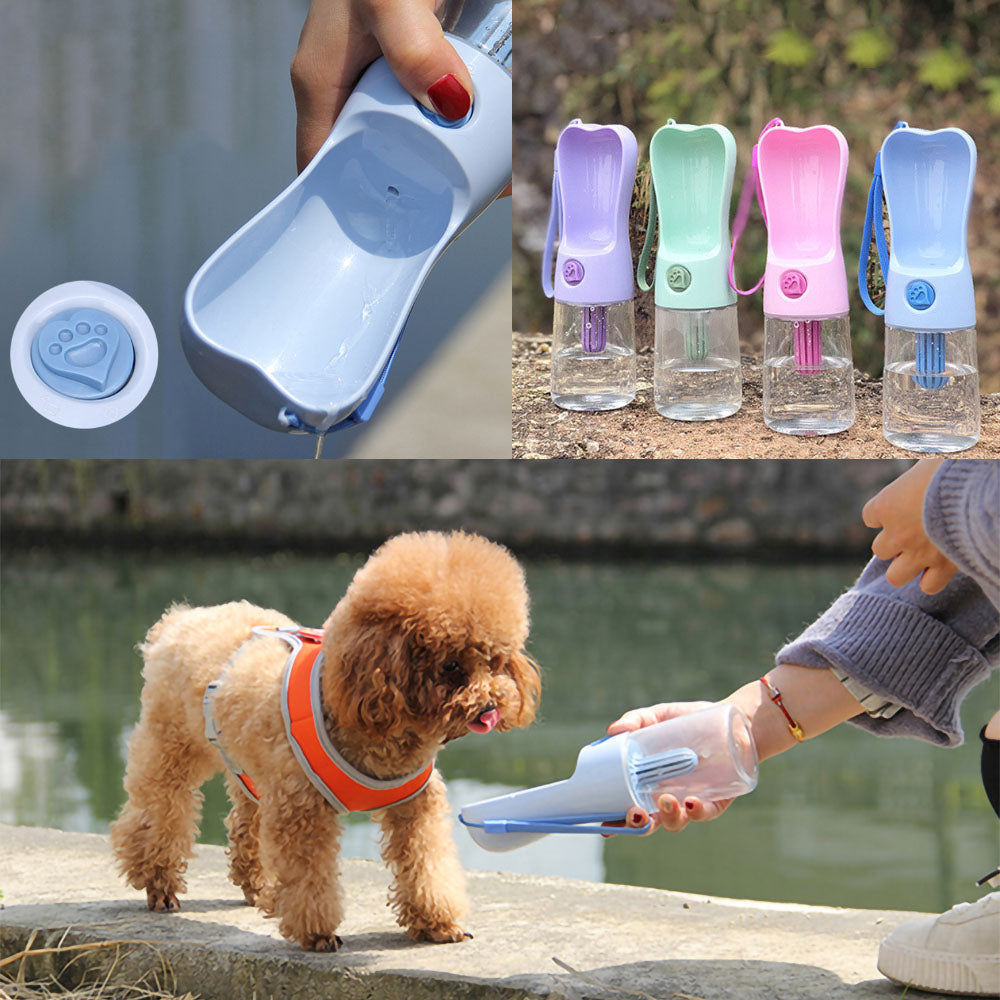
[(485, 24)]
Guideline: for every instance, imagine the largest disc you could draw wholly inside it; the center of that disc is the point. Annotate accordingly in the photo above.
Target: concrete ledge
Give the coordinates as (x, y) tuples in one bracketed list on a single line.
[(642, 941)]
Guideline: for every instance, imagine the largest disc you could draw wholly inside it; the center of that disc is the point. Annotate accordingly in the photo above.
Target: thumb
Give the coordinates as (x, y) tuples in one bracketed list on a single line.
[(424, 61)]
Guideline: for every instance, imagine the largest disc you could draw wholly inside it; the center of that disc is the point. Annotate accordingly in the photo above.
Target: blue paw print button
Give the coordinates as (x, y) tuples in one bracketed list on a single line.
[(84, 354), (920, 294)]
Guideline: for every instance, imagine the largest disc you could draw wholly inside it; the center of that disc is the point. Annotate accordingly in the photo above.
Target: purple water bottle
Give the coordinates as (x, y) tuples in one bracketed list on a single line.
[(593, 330)]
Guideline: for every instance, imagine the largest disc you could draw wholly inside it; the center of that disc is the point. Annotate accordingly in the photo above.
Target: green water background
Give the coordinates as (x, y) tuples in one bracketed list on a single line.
[(846, 820)]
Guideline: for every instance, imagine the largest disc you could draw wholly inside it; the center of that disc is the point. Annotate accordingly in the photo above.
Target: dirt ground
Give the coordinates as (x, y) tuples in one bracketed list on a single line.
[(539, 429)]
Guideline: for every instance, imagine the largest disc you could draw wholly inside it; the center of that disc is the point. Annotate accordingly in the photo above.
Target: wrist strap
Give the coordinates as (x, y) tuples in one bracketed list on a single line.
[(555, 212), (775, 695), (640, 271), (751, 187), (873, 226)]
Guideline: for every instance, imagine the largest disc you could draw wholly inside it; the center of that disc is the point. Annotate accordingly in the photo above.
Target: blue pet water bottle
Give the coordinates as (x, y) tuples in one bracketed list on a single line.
[(930, 388)]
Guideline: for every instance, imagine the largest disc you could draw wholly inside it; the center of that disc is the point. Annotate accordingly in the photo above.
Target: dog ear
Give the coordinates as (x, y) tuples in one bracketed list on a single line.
[(365, 688), (527, 675)]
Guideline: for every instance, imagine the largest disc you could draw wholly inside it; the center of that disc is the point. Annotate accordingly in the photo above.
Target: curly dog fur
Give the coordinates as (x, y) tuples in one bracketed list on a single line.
[(428, 637)]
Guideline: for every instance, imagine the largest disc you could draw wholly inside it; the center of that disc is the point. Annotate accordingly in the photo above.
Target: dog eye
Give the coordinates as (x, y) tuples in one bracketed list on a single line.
[(451, 667)]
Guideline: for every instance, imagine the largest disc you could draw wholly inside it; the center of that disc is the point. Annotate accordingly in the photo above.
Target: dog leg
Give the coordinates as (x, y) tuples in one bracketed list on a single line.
[(243, 824), (428, 890), (154, 835), (300, 846)]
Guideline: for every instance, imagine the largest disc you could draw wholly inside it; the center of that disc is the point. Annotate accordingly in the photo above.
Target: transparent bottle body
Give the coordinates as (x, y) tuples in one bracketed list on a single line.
[(696, 371), (808, 375), (930, 389), (720, 736), (593, 355)]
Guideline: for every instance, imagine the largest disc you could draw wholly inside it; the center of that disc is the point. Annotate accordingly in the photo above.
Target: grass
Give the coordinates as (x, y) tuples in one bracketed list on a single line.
[(157, 983)]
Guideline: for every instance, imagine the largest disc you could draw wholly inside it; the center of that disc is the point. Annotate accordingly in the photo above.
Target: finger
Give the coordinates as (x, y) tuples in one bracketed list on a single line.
[(424, 61), (333, 51), (638, 818), (637, 718), (635, 818), (903, 570), (628, 723), (883, 546), (700, 812), (671, 815), (869, 513), (937, 577)]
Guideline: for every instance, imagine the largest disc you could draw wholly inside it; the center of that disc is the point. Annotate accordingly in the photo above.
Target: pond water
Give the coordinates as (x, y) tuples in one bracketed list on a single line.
[(846, 820)]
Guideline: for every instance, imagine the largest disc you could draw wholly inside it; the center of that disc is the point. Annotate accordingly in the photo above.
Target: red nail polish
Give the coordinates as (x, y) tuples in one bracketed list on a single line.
[(689, 804), (450, 99)]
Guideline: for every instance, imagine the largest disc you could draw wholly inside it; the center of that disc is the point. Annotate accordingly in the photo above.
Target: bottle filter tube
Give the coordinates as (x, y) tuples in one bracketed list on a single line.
[(594, 329), (807, 340)]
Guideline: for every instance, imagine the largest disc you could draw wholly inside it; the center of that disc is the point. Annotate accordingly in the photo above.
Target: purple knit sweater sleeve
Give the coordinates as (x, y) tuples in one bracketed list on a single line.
[(924, 652)]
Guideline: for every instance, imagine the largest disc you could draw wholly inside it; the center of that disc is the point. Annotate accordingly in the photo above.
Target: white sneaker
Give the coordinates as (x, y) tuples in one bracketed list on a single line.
[(957, 952)]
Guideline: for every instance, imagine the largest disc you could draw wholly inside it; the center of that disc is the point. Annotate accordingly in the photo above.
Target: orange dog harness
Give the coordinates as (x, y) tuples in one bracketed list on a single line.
[(345, 787)]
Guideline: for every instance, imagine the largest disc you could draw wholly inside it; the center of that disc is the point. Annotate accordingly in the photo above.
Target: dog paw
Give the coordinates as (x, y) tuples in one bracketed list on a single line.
[(161, 901), (439, 934), (252, 895), (322, 942)]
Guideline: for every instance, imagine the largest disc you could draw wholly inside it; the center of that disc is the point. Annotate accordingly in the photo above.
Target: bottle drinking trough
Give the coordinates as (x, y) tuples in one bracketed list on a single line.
[(696, 372), (930, 384), (593, 331), (799, 176), (710, 754)]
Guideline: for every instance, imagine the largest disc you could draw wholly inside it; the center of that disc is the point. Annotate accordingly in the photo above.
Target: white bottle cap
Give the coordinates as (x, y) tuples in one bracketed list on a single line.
[(84, 354)]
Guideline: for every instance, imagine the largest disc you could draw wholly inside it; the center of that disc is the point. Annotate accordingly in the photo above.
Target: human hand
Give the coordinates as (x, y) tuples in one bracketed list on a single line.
[(898, 510), (341, 37), (673, 815)]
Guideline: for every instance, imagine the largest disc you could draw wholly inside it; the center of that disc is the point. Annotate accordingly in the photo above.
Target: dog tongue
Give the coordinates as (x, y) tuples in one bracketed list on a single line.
[(485, 722)]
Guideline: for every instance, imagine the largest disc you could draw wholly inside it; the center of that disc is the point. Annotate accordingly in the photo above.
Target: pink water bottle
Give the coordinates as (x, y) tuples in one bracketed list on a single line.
[(799, 176)]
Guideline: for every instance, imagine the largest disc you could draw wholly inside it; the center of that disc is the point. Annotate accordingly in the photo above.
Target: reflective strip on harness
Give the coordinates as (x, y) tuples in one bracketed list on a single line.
[(214, 737), (342, 785)]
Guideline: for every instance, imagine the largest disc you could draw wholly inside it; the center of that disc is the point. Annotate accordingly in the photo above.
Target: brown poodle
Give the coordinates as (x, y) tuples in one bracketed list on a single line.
[(426, 645)]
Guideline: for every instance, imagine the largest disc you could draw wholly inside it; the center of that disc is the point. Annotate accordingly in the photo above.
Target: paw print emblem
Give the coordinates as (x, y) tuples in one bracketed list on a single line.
[(678, 277), (87, 355), (793, 284), (572, 272), (920, 294)]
